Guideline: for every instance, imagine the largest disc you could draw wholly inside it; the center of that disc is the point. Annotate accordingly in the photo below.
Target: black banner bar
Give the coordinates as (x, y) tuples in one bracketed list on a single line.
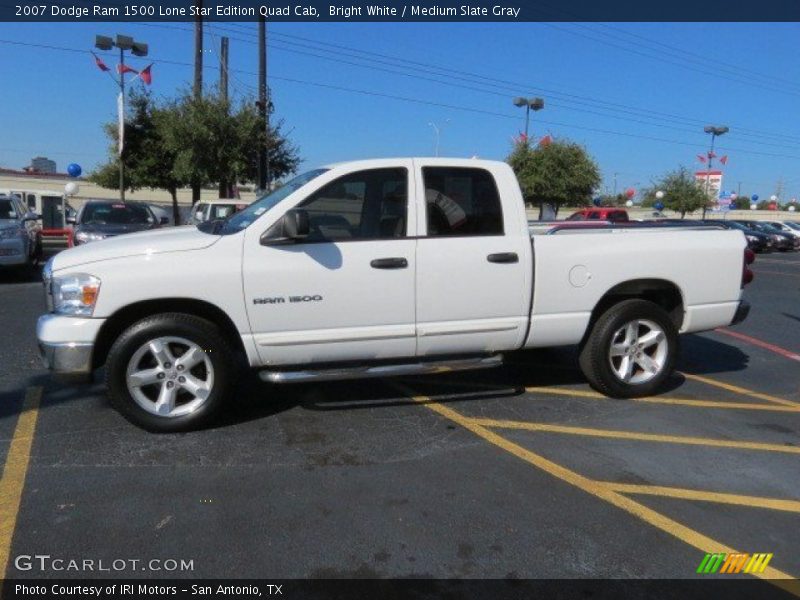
[(312, 11), (730, 588)]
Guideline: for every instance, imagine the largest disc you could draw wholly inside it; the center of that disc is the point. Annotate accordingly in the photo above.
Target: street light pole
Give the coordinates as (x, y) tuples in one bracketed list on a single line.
[(714, 131), (438, 131), (123, 42), (528, 103)]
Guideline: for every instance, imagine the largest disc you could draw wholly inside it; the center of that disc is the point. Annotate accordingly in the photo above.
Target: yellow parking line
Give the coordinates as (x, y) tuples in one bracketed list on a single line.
[(740, 390), (689, 536), (634, 435), (669, 401), (14, 472), (687, 494)]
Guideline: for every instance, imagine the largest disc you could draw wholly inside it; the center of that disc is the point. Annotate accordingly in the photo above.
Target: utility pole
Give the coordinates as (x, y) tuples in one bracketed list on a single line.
[(223, 68), (198, 76), (262, 102), (224, 183)]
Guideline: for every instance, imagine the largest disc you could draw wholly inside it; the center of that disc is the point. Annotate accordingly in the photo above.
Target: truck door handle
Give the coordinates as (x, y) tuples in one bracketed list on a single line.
[(503, 257), (389, 263)]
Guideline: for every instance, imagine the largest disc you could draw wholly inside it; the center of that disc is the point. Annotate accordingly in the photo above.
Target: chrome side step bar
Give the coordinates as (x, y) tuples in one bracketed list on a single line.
[(388, 370)]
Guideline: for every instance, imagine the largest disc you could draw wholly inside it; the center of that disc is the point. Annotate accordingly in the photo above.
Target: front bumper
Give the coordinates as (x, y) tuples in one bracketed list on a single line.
[(69, 358), (13, 253), (741, 312), (66, 343)]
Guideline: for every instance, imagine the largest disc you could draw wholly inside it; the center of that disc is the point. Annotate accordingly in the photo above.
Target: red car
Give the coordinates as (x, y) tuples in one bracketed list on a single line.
[(600, 214)]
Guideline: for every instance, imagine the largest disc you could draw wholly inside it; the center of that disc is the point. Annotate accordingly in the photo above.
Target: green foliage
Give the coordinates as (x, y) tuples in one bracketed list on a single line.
[(682, 193), (558, 173), (741, 202), (610, 200), (174, 143)]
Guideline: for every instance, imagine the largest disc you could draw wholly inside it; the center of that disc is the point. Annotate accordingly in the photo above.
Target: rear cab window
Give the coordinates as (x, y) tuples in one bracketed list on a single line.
[(461, 201)]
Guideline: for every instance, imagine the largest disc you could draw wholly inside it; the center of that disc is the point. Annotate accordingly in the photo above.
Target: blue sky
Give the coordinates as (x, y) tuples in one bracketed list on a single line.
[(628, 92)]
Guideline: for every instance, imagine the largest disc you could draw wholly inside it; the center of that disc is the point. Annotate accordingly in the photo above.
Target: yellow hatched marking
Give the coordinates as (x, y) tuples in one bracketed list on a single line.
[(634, 435)]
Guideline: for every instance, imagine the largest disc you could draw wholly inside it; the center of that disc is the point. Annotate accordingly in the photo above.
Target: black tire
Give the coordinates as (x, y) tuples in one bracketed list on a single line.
[(595, 355), (195, 329)]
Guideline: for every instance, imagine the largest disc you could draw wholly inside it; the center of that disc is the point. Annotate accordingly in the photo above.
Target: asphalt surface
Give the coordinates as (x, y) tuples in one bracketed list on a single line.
[(520, 472)]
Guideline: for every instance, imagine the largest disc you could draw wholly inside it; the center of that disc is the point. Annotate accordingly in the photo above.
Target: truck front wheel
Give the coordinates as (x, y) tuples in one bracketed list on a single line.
[(631, 350), (170, 372)]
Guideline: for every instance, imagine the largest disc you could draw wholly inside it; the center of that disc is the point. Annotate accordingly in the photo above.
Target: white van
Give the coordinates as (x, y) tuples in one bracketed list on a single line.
[(222, 208)]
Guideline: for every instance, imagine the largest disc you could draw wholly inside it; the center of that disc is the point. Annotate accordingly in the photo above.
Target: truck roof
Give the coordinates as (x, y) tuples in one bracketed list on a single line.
[(427, 160)]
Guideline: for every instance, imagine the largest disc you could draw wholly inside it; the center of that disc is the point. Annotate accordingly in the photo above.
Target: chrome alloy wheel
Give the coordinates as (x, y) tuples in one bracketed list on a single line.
[(170, 376), (638, 351)]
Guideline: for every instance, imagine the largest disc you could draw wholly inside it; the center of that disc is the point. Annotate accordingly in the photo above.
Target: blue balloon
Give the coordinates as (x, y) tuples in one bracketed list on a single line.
[(597, 201), (754, 197), (74, 170), (659, 206)]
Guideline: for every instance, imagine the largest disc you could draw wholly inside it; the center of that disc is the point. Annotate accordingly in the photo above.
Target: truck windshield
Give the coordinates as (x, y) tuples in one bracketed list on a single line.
[(243, 219)]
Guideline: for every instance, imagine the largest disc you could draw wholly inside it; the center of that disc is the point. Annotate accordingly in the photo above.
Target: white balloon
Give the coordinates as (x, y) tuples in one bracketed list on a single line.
[(71, 188), (659, 194), (791, 208), (774, 198), (629, 203), (753, 206)]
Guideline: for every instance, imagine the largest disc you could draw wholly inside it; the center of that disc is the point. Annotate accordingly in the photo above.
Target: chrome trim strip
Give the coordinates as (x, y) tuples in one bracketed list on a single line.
[(364, 372)]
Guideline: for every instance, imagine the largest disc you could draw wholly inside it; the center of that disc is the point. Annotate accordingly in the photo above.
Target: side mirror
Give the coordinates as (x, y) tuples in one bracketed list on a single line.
[(198, 216), (32, 216), (292, 227), (71, 220), (164, 221)]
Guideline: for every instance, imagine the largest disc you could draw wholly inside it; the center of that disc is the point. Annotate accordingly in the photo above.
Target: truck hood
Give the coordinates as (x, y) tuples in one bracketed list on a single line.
[(158, 241)]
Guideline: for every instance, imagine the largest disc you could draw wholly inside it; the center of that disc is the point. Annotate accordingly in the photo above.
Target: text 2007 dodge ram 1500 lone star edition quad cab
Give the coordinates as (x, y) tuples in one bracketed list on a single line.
[(378, 268)]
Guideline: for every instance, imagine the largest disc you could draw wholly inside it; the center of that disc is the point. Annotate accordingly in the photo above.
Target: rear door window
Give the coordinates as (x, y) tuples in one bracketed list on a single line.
[(461, 201)]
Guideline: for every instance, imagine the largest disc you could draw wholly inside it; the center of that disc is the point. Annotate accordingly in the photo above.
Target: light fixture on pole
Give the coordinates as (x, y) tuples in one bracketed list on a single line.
[(714, 131), (529, 104), (438, 131), (123, 42)]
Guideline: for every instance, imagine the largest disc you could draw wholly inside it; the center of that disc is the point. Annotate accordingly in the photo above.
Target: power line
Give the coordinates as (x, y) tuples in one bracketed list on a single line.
[(438, 104)]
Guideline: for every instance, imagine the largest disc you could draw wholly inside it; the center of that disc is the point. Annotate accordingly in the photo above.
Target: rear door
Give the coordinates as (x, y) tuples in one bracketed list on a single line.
[(473, 265)]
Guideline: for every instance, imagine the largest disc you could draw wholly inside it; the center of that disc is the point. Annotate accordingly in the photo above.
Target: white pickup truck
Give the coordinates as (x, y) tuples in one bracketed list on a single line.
[(379, 268)]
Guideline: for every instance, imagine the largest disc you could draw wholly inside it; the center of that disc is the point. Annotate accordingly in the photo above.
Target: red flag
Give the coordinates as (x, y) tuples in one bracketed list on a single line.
[(100, 64), (145, 74), (522, 139), (724, 160), (701, 158), (125, 69), (712, 154), (546, 140)]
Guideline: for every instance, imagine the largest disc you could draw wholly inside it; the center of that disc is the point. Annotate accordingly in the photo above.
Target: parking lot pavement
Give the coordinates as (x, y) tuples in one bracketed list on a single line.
[(519, 472)]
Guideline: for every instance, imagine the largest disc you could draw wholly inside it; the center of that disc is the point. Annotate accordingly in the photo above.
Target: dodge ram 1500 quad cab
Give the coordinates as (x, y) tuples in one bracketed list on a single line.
[(379, 268)]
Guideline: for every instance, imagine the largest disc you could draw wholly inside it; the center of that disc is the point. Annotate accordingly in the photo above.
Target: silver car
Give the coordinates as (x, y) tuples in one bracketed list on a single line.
[(20, 239)]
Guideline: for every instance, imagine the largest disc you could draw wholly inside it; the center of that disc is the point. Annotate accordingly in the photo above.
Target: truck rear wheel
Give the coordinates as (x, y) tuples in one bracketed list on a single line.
[(170, 372), (631, 350)]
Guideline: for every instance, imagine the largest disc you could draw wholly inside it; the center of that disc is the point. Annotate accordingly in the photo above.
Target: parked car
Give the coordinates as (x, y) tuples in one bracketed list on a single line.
[(20, 234), (211, 210), (377, 268), (785, 228), (781, 241), (600, 214), (757, 241), (101, 219)]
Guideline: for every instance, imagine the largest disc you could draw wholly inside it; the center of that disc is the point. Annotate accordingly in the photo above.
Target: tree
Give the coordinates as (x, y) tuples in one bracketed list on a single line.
[(682, 193), (558, 173), (216, 142), (149, 161)]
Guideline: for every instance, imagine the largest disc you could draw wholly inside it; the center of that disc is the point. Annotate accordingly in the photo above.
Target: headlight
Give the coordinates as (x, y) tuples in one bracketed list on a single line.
[(776, 238), (751, 238), (8, 233), (75, 294), (84, 237)]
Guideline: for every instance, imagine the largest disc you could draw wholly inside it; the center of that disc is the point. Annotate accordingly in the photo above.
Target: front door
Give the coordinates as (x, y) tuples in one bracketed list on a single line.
[(347, 291)]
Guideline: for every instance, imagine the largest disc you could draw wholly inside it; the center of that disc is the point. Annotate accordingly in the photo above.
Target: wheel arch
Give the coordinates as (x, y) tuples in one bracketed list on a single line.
[(130, 314), (662, 292)]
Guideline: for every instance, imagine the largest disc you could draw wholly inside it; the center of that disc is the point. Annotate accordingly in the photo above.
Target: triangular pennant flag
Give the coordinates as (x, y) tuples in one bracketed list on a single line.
[(701, 158), (125, 69), (145, 74), (724, 160), (100, 64)]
